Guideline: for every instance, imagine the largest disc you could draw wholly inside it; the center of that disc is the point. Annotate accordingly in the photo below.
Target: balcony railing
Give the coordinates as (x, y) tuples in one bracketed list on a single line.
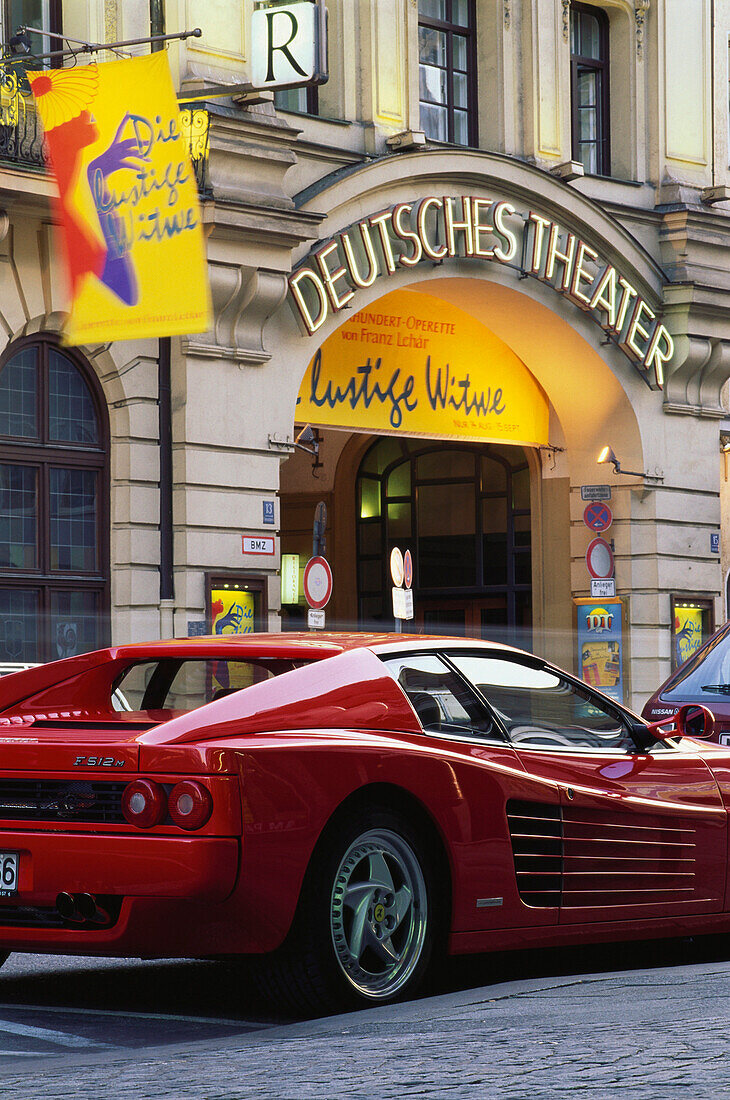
[(195, 127), (21, 134), (22, 143)]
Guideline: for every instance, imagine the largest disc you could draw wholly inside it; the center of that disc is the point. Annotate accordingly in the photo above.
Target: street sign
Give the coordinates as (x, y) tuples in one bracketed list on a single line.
[(315, 619), (603, 590), (396, 567), (317, 582), (599, 559), (597, 516), (289, 45), (595, 492), (402, 603), (264, 544), (714, 542), (268, 511), (407, 569)]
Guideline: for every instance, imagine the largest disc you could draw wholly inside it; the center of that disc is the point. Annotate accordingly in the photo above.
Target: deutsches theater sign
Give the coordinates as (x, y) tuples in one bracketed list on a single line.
[(434, 229)]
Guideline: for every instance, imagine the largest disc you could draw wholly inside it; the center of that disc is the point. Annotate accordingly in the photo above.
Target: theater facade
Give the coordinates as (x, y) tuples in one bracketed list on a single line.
[(464, 358)]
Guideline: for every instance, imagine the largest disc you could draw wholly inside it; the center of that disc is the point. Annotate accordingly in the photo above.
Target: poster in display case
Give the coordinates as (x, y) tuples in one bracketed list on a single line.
[(599, 632), (692, 624)]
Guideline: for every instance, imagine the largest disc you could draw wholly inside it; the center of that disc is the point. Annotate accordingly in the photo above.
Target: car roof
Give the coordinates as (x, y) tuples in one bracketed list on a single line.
[(299, 645)]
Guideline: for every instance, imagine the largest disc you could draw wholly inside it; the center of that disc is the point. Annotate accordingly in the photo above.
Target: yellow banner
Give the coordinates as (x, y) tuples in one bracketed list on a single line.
[(412, 364), (129, 209)]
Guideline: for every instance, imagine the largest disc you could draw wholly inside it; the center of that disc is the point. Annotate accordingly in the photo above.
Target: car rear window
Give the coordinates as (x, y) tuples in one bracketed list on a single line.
[(183, 685), (705, 677)]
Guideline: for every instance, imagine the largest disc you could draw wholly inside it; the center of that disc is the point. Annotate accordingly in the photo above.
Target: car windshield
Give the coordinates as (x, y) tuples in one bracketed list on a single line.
[(706, 676)]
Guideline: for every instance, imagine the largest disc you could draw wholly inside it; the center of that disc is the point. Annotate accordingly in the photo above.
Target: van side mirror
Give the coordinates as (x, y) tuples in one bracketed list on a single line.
[(691, 720)]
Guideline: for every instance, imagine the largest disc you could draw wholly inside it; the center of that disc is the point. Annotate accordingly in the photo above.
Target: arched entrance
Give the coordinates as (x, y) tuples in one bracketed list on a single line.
[(464, 513)]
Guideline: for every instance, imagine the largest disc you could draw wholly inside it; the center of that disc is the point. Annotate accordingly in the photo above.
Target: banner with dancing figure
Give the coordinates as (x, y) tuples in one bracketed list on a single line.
[(128, 200)]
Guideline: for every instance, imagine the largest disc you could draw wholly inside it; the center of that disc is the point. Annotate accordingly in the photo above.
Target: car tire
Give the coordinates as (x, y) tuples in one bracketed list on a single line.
[(368, 923)]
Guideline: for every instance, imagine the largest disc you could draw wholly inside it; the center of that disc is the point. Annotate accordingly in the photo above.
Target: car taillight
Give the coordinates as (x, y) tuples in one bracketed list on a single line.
[(144, 803), (190, 804)]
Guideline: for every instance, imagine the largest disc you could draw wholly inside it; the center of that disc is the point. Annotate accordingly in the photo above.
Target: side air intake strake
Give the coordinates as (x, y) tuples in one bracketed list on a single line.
[(577, 858), (536, 830)]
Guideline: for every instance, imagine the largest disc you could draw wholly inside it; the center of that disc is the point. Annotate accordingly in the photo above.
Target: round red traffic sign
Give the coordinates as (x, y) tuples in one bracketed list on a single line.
[(396, 566), (599, 559), (407, 569), (317, 582), (598, 516)]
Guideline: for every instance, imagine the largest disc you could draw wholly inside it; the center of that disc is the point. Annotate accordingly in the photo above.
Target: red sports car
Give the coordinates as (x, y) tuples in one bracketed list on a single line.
[(341, 809)]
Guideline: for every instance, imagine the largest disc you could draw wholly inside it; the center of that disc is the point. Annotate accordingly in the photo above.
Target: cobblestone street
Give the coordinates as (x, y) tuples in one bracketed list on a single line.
[(640, 1034)]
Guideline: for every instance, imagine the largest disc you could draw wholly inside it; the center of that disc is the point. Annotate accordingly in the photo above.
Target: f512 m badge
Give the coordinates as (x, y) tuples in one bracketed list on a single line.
[(98, 762)]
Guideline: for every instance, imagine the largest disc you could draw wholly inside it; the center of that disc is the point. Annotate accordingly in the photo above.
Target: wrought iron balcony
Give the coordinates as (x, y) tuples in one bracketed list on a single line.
[(21, 133), (195, 125)]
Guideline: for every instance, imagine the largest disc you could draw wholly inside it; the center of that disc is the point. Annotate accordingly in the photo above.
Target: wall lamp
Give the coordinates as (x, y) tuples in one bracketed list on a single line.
[(306, 440), (607, 455)]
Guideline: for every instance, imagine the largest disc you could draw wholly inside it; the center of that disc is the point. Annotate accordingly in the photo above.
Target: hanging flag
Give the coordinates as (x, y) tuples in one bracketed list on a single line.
[(129, 210)]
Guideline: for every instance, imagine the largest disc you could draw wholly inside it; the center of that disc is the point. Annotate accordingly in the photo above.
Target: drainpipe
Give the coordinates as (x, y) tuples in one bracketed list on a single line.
[(164, 401)]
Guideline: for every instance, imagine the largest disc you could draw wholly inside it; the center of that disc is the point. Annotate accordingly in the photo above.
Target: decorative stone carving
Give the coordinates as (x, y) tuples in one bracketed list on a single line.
[(566, 20), (695, 384), (243, 300), (507, 14), (640, 11)]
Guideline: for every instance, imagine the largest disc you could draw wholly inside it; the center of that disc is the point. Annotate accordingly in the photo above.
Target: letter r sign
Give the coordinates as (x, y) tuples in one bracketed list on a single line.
[(287, 47)]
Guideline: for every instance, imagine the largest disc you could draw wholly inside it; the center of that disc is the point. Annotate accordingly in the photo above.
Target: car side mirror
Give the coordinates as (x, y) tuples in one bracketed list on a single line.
[(691, 720)]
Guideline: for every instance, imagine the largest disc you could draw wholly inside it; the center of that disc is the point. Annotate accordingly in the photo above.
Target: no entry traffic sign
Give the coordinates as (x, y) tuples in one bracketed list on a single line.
[(599, 559), (598, 516), (317, 582)]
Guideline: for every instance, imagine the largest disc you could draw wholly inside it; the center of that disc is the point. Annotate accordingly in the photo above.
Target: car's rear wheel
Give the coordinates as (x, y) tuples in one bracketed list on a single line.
[(367, 922)]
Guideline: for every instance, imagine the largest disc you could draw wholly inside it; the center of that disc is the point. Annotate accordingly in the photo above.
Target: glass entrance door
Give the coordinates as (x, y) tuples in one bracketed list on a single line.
[(464, 513), (486, 618)]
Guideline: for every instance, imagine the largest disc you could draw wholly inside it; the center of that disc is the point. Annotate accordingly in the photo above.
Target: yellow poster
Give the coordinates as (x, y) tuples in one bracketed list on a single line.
[(412, 364), (687, 632), (128, 200), (232, 612)]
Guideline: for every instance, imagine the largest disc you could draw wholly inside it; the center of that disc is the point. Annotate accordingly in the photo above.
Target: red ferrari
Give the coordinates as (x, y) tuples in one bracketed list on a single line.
[(344, 809)]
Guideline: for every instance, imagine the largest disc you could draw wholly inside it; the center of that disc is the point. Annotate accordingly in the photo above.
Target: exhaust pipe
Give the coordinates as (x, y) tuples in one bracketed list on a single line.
[(66, 906), (81, 909), (90, 911)]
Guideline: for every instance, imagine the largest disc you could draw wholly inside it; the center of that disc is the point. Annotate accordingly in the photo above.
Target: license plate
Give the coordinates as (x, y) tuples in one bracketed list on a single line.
[(8, 874)]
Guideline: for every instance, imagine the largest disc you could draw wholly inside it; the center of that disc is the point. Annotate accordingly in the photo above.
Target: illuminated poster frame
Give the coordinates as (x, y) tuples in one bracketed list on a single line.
[(222, 587), (601, 656), (692, 622)]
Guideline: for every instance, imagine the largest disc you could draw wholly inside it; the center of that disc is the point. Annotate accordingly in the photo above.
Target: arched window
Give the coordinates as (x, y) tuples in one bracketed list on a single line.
[(53, 505), (464, 513)]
